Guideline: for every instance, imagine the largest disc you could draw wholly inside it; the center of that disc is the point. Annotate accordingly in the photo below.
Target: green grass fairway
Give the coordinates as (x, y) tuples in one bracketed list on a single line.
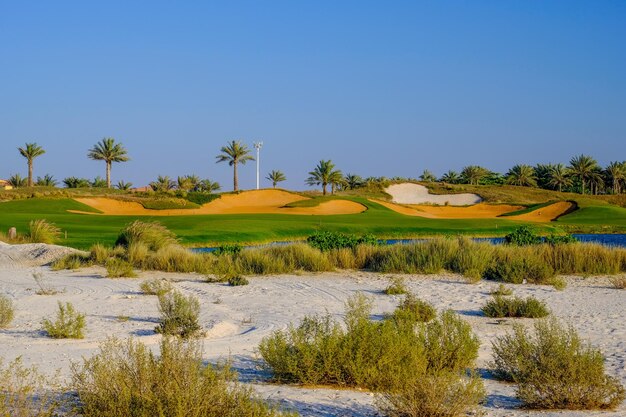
[(84, 230)]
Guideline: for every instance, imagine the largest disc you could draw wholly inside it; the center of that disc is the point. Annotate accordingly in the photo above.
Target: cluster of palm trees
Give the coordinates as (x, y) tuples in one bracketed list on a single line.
[(583, 174)]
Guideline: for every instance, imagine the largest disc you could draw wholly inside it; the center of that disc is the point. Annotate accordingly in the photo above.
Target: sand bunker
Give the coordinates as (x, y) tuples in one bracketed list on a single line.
[(477, 211), (31, 254), (548, 213), (248, 202), (409, 193)]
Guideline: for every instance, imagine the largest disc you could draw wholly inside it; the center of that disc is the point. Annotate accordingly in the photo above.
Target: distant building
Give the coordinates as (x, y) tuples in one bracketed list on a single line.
[(4, 185)]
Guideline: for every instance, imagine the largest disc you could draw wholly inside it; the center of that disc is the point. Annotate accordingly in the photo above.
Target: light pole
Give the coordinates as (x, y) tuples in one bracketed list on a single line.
[(257, 146)]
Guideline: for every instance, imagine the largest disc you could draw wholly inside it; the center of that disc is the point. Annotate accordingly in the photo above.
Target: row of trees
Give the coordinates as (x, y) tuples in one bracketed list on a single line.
[(583, 174)]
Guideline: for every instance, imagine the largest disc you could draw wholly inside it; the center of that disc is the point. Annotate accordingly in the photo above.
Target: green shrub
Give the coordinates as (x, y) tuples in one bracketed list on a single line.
[(522, 236), (24, 392), (441, 394), (237, 280), (500, 306), (167, 203), (152, 234), (117, 268), (413, 310), (156, 287), (231, 249), (40, 231), (554, 369), (326, 240), (179, 315), (127, 379), (396, 286), (69, 324), (200, 198), (559, 239), (7, 311), (502, 290)]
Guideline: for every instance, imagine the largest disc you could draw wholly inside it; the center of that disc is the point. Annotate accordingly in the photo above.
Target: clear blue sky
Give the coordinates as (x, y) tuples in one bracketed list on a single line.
[(381, 88)]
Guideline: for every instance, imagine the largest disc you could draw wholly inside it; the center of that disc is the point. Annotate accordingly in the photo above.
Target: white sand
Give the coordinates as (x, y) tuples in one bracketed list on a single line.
[(409, 193), (237, 318)]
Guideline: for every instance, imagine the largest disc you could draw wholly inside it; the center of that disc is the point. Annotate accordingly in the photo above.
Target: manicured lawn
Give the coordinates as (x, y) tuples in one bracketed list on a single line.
[(83, 230)]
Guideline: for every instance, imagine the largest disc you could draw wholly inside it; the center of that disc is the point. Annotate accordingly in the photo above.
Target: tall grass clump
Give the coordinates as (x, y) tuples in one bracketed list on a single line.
[(516, 265), (619, 282), (179, 315), (501, 306), (585, 258), (555, 369), (126, 379), (99, 253), (40, 231), (7, 311), (25, 392), (69, 323), (396, 286), (119, 268), (152, 234), (174, 258), (156, 287), (471, 259), (72, 261)]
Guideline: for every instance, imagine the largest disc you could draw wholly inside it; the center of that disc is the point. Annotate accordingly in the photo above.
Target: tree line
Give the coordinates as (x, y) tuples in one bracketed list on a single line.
[(583, 174)]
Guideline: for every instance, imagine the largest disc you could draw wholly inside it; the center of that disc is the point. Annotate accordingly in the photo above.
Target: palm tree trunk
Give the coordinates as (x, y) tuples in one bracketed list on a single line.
[(235, 179), (583, 182), (30, 172), (323, 188), (560, 188), (108, 174)]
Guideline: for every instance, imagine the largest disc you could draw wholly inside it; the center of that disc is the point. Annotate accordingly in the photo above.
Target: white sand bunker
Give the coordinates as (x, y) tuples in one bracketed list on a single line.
[(31, 254), (409, 193)]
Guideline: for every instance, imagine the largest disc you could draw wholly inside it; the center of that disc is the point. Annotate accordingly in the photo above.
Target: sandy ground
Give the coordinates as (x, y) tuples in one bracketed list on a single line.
[(546, 214), (237, 318), (477, 211), (256, 201), (409, 193)]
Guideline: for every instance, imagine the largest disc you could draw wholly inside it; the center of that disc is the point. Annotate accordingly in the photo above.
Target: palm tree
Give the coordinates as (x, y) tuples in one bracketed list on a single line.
[(123, 185), (427, 176), (208, 186), (616, 175), (30, 152), (336, 181), (474, 173), (353, 181), (559, 177), (323, 174), (596, 180), (234, 153), (582, 167), (98, 182), (523, 175), (451, 177), (16, 181), (47, 181), (108, 151), (74, 182), (162, 184), (275, 177)]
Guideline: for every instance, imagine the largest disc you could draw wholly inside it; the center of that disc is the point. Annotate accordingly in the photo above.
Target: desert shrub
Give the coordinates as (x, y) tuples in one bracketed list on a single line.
[(117, 268), (414, 310), (156, 287), (179, 315), (326, 240), (440, 394), (7, 311), (152, 234), (72, 261), (231, 249), (501, 306), (522, 236), (502, 290), (555, 369), (137, 253), (127, 379), (379, 355), (69, 323), (40, 231), (24, 392), (618, 282), (396, 286), (237, 280), (99, 253)]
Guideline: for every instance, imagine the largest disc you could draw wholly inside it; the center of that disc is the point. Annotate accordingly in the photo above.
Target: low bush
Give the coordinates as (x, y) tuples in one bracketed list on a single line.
[(200, 198), (127, 379), (230, 249), (396, 286), (179, 315), (414, 310), (167, 203), (555, 369), (118, 268), (501, 306), (559, 239), (40, 231), (7, 311), (156, 287), (152, 234), (522, 236), (619, 282), (237, 280), (25, 392), (502, 290), (326, 241), (69, 324)]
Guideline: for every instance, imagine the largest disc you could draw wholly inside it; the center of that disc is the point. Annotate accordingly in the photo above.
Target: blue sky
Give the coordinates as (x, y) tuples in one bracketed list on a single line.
[(381, 88)]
